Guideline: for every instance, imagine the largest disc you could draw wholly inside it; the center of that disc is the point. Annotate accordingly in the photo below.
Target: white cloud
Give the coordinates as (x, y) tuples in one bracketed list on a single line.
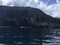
[(5, 2), (33, 3), (0, 2), (52, 9), (36, 1)]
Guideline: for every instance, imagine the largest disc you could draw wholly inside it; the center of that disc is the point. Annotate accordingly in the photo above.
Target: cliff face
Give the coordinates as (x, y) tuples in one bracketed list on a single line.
[(27, 16)]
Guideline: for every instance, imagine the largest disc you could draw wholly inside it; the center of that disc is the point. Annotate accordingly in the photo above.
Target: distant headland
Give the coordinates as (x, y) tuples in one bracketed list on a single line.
[(26, 17)]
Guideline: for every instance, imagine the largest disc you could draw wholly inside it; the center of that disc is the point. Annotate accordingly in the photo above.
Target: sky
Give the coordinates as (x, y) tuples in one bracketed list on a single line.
[(50, 7)]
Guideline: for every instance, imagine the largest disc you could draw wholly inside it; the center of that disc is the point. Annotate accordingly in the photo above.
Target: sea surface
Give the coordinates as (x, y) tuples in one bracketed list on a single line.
[(29, 36)]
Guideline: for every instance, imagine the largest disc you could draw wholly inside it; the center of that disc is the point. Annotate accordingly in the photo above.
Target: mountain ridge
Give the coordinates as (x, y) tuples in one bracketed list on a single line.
[(27, 16)]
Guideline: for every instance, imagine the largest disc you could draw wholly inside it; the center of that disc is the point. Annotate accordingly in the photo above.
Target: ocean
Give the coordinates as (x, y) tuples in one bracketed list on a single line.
[(29, 36)]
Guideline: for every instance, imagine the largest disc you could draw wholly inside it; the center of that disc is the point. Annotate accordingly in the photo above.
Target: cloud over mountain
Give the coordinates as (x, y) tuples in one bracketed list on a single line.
[(52, 9)]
